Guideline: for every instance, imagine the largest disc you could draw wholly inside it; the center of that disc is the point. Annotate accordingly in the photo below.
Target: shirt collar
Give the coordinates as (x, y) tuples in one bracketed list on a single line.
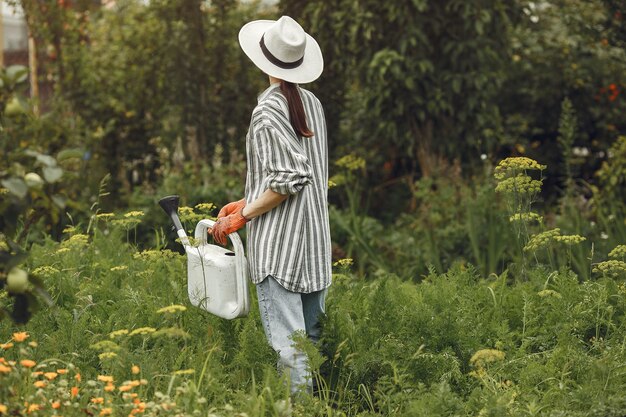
[(267, 91)]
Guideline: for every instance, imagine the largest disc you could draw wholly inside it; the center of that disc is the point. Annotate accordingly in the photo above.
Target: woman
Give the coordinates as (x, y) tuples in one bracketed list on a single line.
[(285, 204)]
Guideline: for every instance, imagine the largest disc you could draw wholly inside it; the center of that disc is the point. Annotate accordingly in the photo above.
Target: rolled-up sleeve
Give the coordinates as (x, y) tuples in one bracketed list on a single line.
[(286, 170)]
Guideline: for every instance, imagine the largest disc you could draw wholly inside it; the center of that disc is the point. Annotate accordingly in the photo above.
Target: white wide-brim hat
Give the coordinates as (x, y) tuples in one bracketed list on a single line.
[(282, 49)]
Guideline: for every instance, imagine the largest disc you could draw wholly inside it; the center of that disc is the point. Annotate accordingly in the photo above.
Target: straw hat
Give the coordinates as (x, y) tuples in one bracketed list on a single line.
[(282, 49)]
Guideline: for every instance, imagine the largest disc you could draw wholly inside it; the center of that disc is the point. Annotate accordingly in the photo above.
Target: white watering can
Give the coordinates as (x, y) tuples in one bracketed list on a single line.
[(217, 278)]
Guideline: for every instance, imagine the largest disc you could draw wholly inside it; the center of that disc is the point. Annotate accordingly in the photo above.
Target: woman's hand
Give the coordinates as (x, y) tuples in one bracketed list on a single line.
[(231, 208), (227, 225)]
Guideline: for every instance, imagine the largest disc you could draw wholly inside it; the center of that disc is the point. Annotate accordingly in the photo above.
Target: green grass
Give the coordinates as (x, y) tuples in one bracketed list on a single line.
[(390, 347)]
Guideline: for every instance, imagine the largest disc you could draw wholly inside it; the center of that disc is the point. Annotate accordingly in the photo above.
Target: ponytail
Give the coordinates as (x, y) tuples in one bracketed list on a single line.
[(296, 109)]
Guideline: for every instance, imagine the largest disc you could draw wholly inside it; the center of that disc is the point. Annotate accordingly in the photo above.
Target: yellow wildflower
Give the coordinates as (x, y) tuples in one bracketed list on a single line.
[(345, 262), (142, 330), (109, 387), (172, 309), (46, 271), (106, 411), (97, 400), (618, 252), (549, 293), (136, 213), (6, 345), (40, 384), (515, 165), (119, 268), (27, 363), (5, 369), (117, 333), (135, 369), (4, 409), (105, 378), (76, 241), (50, 375), (107, 355), (33, 407), (351, 162), (206, 207), (570, 239), (485, 356), (105, 345), (520, 184), (542, 239), (33, 344), (526, 217), (20, 336), (185, 372), (611, 267), (104, 215)]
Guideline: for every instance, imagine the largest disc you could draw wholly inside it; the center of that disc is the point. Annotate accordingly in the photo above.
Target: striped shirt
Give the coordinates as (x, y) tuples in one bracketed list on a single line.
[(291, 242)]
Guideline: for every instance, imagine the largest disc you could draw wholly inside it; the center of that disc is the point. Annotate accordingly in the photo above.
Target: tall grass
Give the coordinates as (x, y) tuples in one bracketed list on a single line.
[(459, 343)]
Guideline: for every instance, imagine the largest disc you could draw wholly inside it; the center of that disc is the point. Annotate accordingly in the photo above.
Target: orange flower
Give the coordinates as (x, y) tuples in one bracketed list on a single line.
[(133, 383), (61, 371), (74, 391), (3, 361), (50, 375), (37, 373), (33, 407), (106, 411), (105, 378), (4, 409), (77, 377), (97, 400), (4, 369), (109, 387), (6, 346), (56, 405), (27, 363), (20, 336), (125, 388), (40, 384), (135, 369)]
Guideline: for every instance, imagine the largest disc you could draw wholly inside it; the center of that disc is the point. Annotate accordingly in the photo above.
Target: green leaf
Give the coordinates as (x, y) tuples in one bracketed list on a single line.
[(69, 153), (52, 173), (17, 73), (59, 200), (46, 160), (16, 186)]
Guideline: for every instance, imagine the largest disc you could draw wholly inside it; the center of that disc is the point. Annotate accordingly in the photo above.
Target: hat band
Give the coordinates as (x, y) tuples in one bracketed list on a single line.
[(276, 61)]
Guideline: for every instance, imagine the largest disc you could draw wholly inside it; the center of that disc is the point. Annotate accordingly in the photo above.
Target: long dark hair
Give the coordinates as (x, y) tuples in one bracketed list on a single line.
[(296, 109)]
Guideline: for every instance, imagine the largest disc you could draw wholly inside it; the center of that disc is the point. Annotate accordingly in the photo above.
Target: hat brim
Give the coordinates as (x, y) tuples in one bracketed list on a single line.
[(310, 69)]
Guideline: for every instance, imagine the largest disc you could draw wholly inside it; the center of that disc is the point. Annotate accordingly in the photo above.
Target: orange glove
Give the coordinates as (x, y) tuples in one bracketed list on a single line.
[(230, 208), (227, 225)]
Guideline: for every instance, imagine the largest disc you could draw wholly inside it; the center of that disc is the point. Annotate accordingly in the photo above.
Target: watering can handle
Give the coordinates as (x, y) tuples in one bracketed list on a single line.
[(201, 236)]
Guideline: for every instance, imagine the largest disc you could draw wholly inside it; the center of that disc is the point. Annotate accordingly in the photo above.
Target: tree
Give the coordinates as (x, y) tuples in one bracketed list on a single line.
[(420, 76)]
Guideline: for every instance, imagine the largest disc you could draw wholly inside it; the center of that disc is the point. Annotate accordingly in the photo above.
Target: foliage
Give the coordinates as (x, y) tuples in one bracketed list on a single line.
[(563, 49), (455, 344), (416, 87)]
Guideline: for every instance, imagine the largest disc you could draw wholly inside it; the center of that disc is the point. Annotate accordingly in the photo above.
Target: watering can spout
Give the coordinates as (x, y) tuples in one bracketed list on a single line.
[(170, 205)]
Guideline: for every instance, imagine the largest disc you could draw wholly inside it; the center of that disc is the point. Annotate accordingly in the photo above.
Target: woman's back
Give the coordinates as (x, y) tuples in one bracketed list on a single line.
[(291, 242)]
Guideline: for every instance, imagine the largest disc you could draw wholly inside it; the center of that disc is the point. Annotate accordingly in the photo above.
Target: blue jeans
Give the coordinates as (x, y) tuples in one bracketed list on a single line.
[(284, 312)]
